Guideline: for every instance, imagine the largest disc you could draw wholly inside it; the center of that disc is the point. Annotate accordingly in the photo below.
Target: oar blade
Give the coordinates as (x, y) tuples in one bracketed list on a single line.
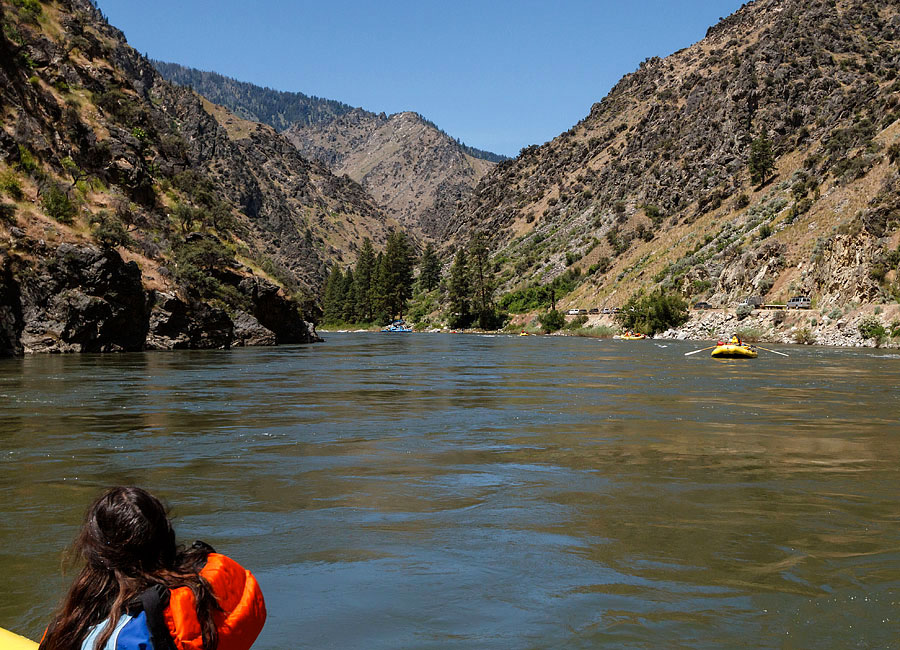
[(773, 351)]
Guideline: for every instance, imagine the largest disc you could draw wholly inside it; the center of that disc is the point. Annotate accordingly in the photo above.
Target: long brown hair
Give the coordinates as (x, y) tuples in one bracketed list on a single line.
[(127, 545)]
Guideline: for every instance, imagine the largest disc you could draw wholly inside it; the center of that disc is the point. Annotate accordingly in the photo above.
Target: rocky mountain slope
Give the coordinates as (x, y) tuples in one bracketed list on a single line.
[(417, 173), (652, 188), (134, 213)]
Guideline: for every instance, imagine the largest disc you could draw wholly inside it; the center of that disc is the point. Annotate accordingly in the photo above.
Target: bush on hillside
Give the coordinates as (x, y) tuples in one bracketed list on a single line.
[(57, 204), (109, 230), (653, 313), (552, 320), (871, 327), (8, 212)]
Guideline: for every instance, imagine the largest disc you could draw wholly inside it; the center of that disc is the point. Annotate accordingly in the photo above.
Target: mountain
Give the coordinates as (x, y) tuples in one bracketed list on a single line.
[(136, 214), (415, 171), (276, 108), (652, 188)]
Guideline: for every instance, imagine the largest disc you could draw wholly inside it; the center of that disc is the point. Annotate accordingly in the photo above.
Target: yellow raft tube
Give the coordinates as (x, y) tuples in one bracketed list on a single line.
[(734, 351), (10, 641)]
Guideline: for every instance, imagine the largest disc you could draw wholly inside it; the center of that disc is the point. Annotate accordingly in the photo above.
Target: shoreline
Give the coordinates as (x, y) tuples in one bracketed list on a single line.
[(787, 327)]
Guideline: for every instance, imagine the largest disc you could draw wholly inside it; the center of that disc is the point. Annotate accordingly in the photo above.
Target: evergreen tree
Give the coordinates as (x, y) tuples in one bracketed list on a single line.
[(348, 311), (459, 291), (380, 290), (333, 301), (397, 273), (481, 280), (762, 159), (429, 269), (365, 282)]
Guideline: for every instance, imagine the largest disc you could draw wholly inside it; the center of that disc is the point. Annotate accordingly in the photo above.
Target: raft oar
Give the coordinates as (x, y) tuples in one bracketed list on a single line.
[(687, 354), (773, 351)]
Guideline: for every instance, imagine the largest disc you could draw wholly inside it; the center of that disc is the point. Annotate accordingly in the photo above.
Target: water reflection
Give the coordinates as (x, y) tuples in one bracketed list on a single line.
[(474, 492)]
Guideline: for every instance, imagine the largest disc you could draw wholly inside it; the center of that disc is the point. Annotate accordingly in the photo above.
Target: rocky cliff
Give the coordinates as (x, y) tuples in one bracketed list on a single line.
[(652, 187), (134, 213)]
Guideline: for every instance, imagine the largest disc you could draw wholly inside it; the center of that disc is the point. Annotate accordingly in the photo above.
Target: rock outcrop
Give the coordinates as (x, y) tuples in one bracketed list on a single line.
[(82, 299), (87, 299)]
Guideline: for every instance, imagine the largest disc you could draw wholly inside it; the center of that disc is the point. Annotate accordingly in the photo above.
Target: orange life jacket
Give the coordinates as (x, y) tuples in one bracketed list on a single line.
[(238, 594)]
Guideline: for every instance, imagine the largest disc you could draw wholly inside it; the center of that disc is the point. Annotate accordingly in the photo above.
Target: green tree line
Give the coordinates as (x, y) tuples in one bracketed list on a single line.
[(376, 290)]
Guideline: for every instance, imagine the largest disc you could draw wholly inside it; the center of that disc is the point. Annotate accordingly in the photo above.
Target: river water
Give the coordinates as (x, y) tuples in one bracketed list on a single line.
[(456, 491)]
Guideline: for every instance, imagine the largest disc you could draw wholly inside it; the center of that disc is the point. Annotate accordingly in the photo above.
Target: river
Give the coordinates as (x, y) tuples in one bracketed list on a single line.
[(479, 492)]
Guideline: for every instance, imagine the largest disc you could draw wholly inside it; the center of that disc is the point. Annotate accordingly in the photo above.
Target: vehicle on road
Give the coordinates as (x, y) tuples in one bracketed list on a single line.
[(799, 302)]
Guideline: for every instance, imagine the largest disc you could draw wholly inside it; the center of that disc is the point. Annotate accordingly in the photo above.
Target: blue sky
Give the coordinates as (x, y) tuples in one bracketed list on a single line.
[(500, 75)]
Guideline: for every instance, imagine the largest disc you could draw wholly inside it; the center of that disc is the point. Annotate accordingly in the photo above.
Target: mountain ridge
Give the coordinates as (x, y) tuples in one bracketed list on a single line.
[(651, 188)]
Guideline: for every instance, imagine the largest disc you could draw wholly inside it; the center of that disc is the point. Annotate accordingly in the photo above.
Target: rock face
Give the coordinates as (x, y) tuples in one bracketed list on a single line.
[(11, 322), (414, 171), (83, 300)]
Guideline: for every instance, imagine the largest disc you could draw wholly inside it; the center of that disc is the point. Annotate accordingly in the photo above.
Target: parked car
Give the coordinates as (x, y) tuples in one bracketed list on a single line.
[(702, 305), (751, 301), (572, 312), (593, 310), (607, 310), (799, 302), (582, 312)]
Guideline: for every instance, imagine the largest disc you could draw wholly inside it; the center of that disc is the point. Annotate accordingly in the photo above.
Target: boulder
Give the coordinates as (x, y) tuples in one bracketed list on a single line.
[(277, 312), (249, 331), (177, 325)]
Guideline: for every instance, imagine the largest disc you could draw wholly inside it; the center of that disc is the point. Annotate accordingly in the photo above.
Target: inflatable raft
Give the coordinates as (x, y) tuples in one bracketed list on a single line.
[(630, 337), (10, 641), (734, 351)]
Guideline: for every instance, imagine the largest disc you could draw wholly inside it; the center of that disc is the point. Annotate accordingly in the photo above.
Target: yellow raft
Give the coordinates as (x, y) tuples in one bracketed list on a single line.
[(10, 641), (630, 337), (734, 351)]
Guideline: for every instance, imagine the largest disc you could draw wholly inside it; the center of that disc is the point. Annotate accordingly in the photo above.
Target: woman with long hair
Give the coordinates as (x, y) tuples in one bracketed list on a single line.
[(138, 590)]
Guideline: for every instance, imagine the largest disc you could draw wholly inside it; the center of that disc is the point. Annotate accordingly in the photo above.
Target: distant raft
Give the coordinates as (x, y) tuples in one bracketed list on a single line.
[(397, 326), (734, 351), (630, 336), (11, 641)]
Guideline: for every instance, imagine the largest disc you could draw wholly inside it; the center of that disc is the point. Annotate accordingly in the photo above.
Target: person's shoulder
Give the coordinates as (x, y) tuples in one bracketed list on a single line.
[(131, 633)]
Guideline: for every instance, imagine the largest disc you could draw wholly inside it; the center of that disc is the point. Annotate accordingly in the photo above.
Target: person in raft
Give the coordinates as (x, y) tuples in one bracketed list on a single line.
[(139, 591)]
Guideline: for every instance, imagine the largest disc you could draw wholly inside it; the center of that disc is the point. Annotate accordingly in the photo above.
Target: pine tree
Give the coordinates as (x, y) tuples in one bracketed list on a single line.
[(348, 310), (333, 301), (458, 293), (481, 280), (365, 282), (429, 269), (397, 273), (380, 307), (762, 159)]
